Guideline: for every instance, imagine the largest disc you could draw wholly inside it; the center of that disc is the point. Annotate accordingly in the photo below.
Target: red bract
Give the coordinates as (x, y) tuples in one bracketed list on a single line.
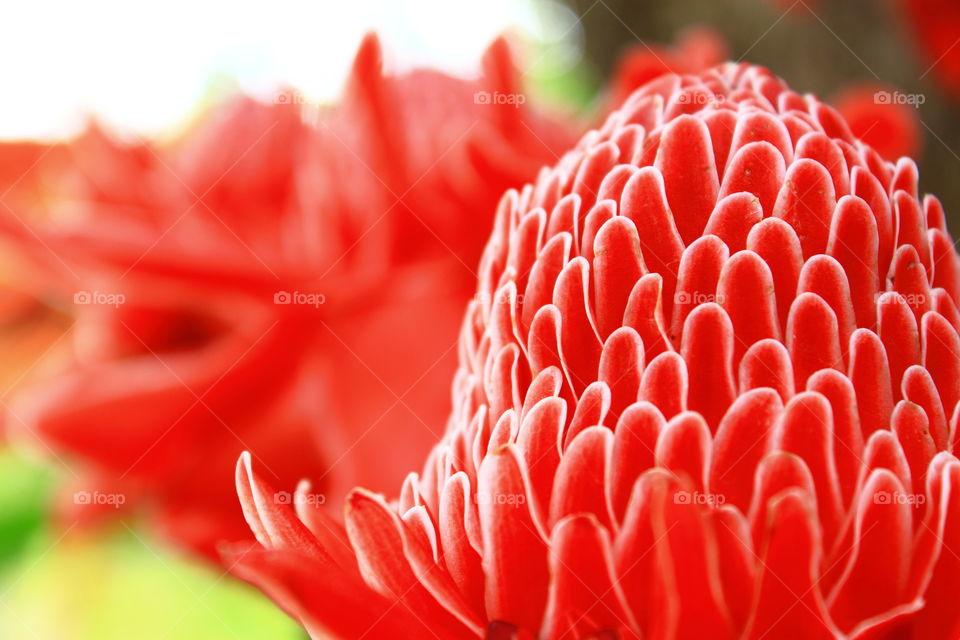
[(292, 280), (705, 392)]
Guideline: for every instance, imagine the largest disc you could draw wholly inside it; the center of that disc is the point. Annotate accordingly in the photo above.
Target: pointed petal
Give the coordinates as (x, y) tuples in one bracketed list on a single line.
[(684, 448), (746, 292), (806, 202), (812, 337), (883, 530), (758, 169), (708, 351), (733, 217), (580, 485), (870, 376), (621, 366), (699, 273), (789, 603), (665, 383), (853, 243), (514, 551), (585, 597), (685, 159), (742, 440), (634, 444), (776, 242), (767, 364), (616, 268)]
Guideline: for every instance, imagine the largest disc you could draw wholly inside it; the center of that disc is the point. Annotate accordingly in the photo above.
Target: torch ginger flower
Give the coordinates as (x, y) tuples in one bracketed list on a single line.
[(708, 389)]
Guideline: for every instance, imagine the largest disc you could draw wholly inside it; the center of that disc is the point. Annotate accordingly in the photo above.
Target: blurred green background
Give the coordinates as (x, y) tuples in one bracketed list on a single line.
[(111, 583)]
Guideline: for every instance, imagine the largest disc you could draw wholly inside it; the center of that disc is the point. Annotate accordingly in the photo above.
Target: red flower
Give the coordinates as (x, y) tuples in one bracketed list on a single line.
[(883, 118), (283, 279), (707, 390), (27, 328), (936, 29)]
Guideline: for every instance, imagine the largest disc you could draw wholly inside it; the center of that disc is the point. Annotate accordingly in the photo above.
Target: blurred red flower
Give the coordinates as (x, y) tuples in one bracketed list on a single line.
[(28, 328), (936, 30), (283, 278), (708, 389), (882, 117)]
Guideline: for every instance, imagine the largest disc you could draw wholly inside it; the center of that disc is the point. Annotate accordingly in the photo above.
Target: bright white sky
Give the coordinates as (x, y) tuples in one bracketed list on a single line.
[(145, 66)]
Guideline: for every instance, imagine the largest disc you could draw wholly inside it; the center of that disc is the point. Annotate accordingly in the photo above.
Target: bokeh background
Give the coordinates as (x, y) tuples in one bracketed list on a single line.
[(147, 72)]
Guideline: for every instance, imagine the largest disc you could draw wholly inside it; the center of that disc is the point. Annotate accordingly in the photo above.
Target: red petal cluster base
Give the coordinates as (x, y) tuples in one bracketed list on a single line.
[(708, 389)]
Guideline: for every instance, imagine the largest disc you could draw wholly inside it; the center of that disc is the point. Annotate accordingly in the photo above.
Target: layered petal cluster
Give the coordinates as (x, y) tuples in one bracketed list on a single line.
[(708, 389), (283, 278)]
